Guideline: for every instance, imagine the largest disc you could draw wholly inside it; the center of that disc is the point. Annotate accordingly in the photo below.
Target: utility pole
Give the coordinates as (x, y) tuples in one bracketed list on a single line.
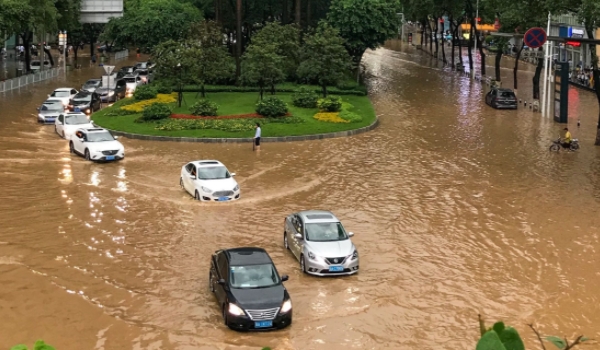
[(546, 70), (475, 33)]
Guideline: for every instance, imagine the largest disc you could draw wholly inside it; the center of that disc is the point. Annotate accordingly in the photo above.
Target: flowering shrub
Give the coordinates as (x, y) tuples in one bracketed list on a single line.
[(271, 107), (330, 117), (138, 107), (330, 104), (204, 108)]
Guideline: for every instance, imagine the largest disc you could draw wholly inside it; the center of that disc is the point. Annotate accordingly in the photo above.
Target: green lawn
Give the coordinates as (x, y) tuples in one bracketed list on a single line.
[(242, 103)]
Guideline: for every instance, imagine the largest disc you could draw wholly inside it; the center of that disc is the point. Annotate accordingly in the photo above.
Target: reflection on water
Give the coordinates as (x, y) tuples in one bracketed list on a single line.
[(458, 209)]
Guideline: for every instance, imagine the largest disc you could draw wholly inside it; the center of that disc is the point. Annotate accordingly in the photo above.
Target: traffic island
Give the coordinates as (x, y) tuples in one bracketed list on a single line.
[(236, 119)]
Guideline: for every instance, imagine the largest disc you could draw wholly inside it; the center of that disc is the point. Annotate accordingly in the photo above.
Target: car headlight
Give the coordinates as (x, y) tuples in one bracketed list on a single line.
[(235, 310), (87, 111), (354, 255), (311, 255), (110, 93), (207, 190), (287, 306), (41, 116), (237, 187)]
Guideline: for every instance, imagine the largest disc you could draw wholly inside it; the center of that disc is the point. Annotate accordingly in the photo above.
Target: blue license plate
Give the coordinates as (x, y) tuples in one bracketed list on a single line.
[(223, 199), (263, 324), (336, 268), (110, 157)]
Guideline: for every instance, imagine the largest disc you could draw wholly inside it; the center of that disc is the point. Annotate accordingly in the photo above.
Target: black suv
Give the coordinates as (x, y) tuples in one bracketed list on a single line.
[(86, 102), (501, 98), (249, 291)]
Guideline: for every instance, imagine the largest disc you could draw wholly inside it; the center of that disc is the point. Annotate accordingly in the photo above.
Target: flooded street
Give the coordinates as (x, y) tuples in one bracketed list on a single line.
[(458, 209)]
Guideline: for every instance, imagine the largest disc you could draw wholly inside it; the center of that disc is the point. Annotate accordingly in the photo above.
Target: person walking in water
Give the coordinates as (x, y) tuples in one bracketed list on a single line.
[(256, 144)]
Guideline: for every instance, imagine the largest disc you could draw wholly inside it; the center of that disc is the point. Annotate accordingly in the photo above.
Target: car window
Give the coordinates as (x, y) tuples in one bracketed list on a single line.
[(213, 173), (61, 118), (253, 276), (325, 232), (100, 136), (52, 106), (222, 266), (506, 94), (73, 91), (298, 225), (76, 119), (60, 94)]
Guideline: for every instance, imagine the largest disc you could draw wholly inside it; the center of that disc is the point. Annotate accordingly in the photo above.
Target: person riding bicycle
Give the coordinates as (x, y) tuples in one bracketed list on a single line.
[(566, 141)]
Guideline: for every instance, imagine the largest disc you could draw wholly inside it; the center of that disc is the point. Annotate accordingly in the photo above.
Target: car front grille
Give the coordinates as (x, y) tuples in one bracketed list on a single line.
[(335, 261), (109, 153), (223, 194), (266, 314)]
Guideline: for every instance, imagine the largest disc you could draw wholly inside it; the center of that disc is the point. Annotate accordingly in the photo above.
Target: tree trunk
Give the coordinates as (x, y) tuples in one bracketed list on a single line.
[(516, 67), (298, 12), (50, 58), (435, 37), (589, 28), (202, 90), (27, 37), (453, 38), (429, 37), (285, 14), (238, 43), (261, 90), (324, 88), (272, 89), (443, 48), (498, 59), (470, 50), (479, 46), (308, 10), (536, 78)]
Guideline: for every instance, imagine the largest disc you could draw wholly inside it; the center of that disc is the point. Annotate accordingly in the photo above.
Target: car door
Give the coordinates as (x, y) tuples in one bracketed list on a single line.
[(60, 124), (79, 142), (222, 273), (297, 243), (188, 182)]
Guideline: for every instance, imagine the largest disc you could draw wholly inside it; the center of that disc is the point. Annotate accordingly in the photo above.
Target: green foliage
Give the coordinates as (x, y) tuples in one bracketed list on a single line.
[(261, 65), (163, 88), (271, 107), (350, 116), (116, 112), (204, 107), (147, 23), (155, 111), (231, 125), (490, 341), (233, 88), (324, 58), (39, 345), (499, 337), (364, 24), (305, 98), (330, 104), (559, 343), (145, 92), (286, 43)]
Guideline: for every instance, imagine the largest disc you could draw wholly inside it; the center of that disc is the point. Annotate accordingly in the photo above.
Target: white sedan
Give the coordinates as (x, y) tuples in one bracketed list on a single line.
[(96, 144), (209, 180), (64, 95), (66, 124)]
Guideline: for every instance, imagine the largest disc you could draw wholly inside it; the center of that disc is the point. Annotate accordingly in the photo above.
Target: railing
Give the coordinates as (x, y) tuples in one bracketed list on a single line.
[(24, 80), (121, 54)]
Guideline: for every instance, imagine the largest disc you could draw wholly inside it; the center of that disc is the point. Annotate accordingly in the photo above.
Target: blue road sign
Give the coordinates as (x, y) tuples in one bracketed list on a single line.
[(535, 37)]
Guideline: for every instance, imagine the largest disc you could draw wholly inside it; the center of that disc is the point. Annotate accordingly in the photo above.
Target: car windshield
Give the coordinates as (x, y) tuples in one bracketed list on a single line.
[(52, 106), (213, 173), (143, 72), (130, 80), (76, 119), (85, 98), (61, 94), (507, 94), (92, 83), (36, 64), (325, 232), (100, 136), (253, 276)]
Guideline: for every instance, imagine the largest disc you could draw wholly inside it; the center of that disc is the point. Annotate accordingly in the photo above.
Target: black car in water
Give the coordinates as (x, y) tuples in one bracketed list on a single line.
[(501, 98), (85, 102), (249, 290)]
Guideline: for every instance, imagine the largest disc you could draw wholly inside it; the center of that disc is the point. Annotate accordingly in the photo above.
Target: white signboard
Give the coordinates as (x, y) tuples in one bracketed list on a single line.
[(100, 11), (108, 69)]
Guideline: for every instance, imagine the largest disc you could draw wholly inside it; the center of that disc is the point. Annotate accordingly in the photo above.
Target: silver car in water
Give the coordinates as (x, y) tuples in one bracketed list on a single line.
[(321, 244)]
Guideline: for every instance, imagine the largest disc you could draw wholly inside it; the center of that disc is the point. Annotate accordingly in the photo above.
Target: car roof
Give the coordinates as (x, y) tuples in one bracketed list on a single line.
[(52, 100), (64, 89), (247, 256), (93, 80), (317, 216), (75, 113), (207, 163), (89, 130)]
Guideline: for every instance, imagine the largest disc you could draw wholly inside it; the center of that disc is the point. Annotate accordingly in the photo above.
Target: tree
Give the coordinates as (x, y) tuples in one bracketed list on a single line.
[(286, 39), (364, 24), (324, 58), (261, 65)]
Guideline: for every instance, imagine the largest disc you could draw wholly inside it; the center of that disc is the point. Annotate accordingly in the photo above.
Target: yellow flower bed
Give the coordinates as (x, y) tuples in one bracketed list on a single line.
[(138, 107), (330, 117)]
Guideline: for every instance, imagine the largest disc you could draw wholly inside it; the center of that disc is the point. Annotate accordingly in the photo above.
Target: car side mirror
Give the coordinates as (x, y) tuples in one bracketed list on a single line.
[(221, 282), (298, 235), (193, 177), (116, 137), (284, 278), (232, 174), (350, 234)]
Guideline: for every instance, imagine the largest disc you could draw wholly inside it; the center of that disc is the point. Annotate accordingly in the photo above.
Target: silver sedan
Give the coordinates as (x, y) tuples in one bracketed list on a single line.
[(320, 242)]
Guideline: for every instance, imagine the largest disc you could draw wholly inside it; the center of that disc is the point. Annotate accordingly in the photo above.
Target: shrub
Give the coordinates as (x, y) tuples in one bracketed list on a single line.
[(144, 92), (330, 117), (138, 107), (164, 89), (330, 104), (350, 116), (305, 98), (204, 108), (347, 85), (116, 112), (156, 111), (271, 107)]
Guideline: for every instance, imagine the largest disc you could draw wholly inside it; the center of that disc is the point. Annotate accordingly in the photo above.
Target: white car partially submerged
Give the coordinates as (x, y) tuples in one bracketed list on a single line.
[(209, 180), (66, 124), (96, 144), (64, 95)]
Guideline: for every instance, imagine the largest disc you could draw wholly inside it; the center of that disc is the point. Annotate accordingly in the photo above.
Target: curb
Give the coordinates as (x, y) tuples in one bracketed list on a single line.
[(248, 139)]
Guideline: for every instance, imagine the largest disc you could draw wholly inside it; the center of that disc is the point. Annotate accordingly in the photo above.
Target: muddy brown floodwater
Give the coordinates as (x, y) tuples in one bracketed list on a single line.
[(458, 209)]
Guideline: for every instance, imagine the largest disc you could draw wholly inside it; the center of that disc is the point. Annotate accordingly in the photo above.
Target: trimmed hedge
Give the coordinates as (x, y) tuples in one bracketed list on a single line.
[(271, 107), (360, 91)]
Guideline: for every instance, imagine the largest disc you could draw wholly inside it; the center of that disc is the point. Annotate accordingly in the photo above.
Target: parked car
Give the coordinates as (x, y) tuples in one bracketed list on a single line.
[(86, 102), (132, 82), (127, 70), (92, 85), (96, 144), (113, 94), (320, 242), (501, 98), (146, 75), (49, 111), (64, 95), (67, 123), (209, 180), (144, 65), (249, 289), (37, 65)]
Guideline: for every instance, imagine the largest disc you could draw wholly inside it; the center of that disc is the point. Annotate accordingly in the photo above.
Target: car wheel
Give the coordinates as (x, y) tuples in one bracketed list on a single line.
[(71, 147), (181, 182), (197, 196), (285, 241), (225, 315), (87, 154), (302, 264)]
